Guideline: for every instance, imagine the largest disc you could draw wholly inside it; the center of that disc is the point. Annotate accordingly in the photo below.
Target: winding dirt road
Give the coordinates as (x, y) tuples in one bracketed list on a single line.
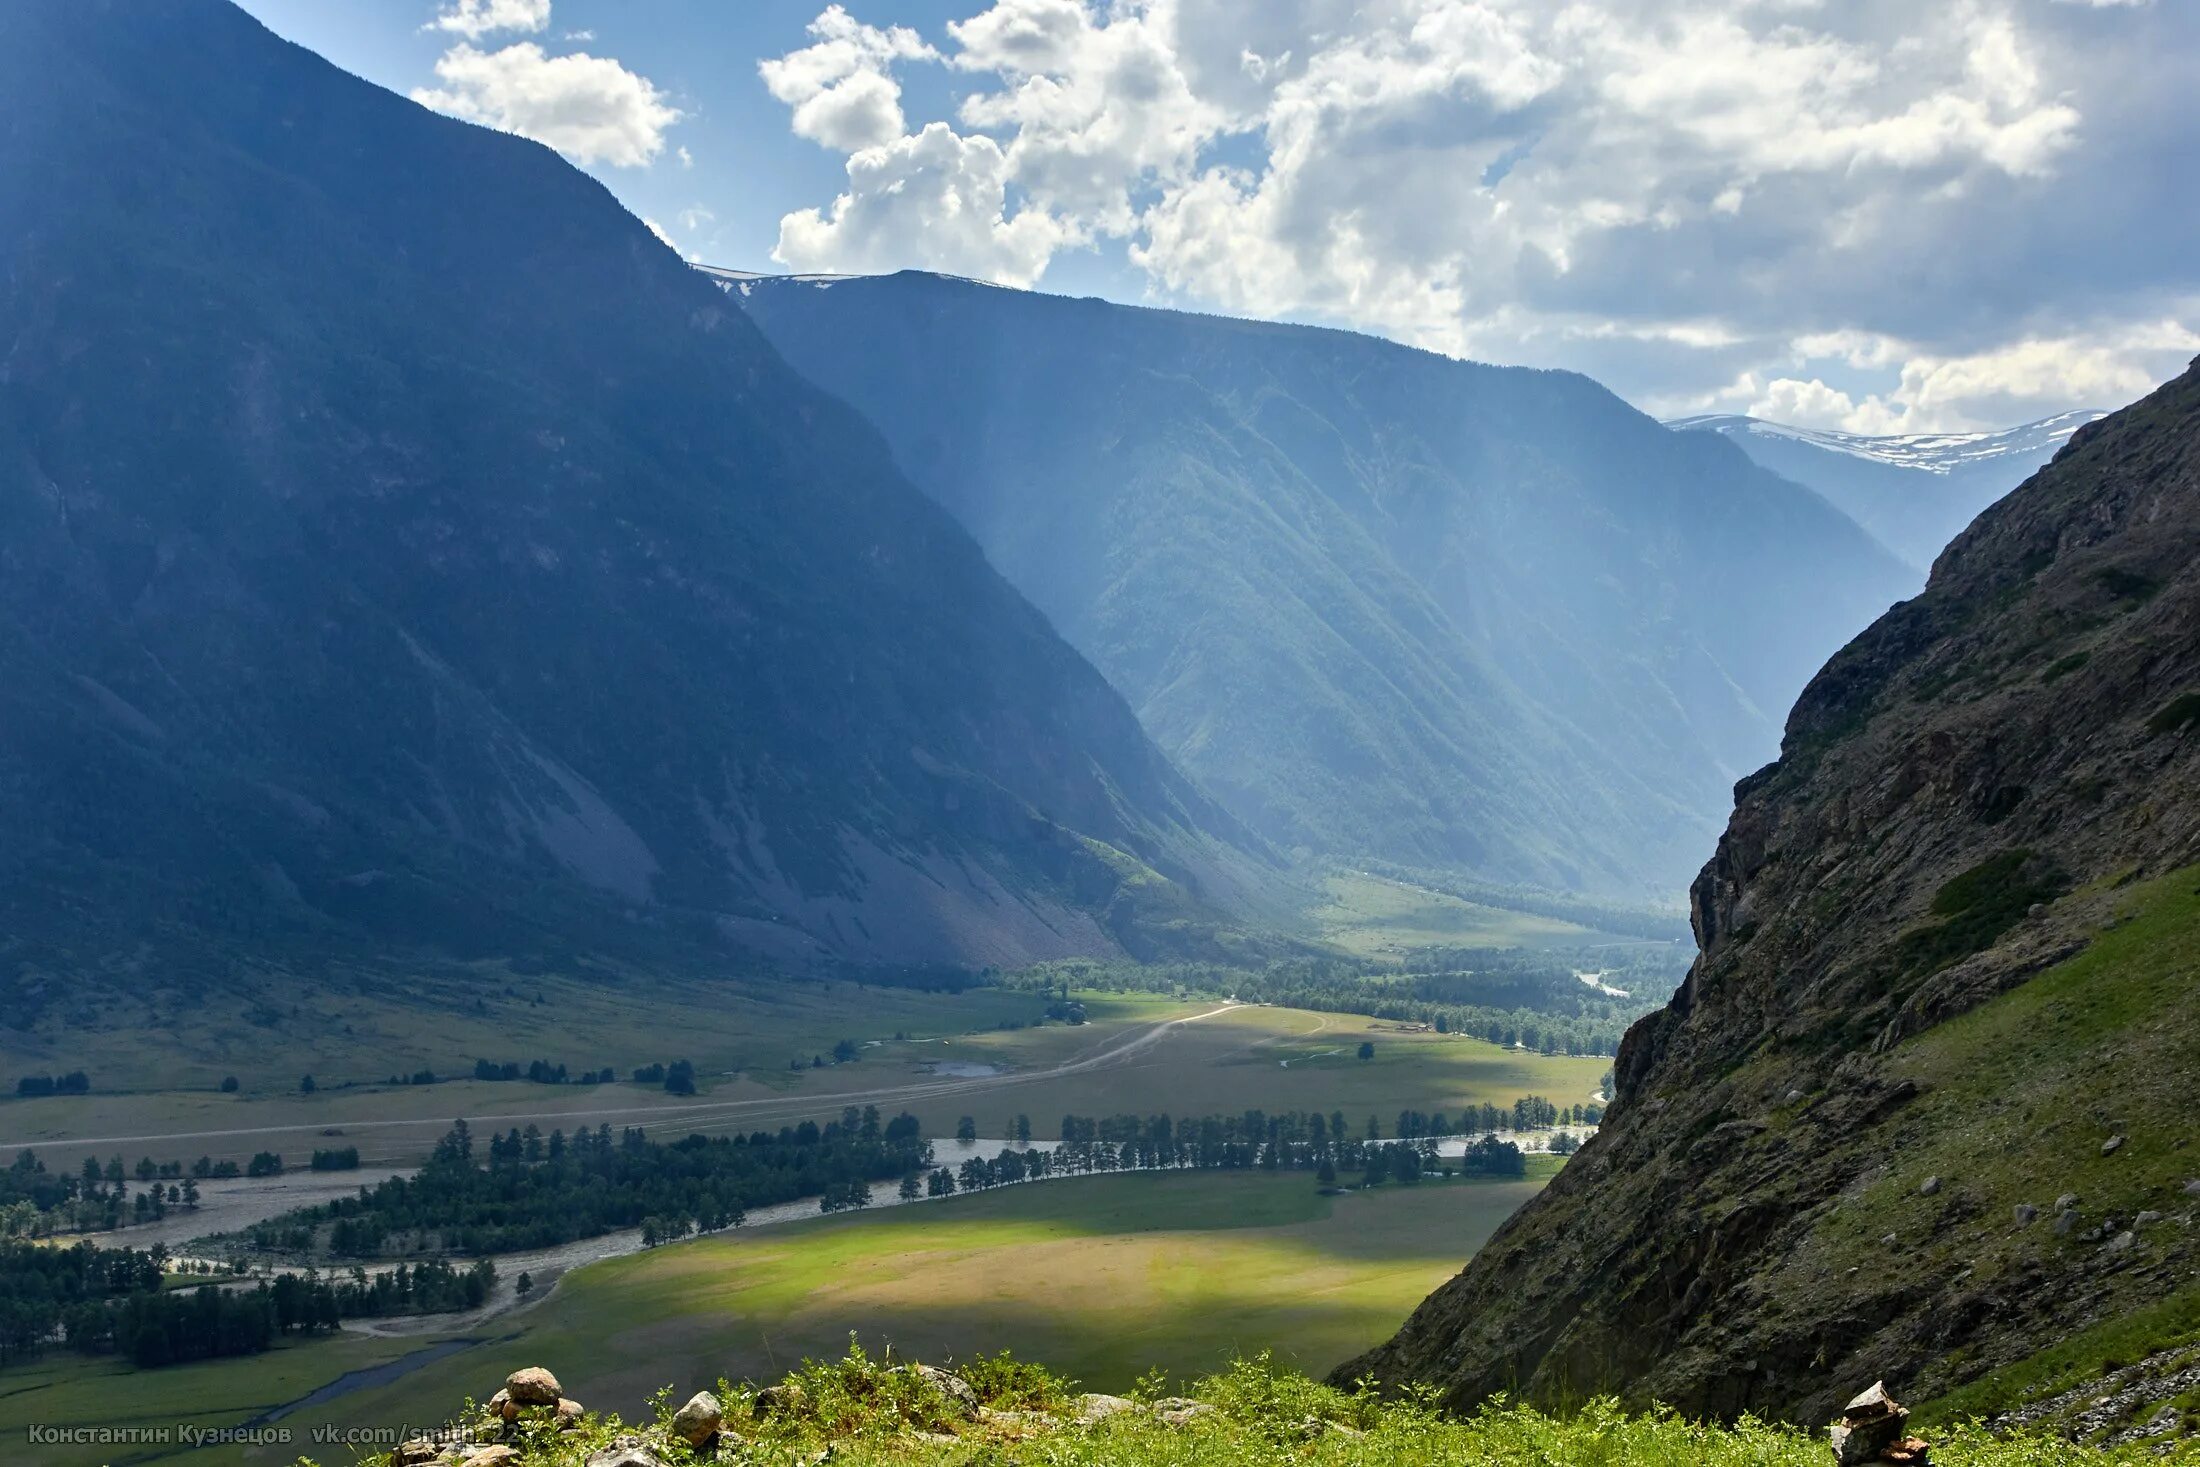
[(1113, 1052)]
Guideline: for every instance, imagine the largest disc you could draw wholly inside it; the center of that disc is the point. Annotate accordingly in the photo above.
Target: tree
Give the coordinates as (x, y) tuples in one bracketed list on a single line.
[(844, 1051), (1327, 1174), (525, 1284), (1367, 1049), (229, 1084), (966, 1129), (306, 1085), (911, 1188)]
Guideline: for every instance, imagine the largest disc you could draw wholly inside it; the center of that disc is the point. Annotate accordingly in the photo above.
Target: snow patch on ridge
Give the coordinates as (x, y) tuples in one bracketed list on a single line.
[(1933, 453)]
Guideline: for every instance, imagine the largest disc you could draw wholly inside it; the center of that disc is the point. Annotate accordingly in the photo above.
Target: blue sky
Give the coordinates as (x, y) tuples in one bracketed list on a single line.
[(1860, 214), (746, 170)]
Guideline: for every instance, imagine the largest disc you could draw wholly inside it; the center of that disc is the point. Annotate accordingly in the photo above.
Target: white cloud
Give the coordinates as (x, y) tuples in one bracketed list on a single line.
[(589, 108), (1910, 217), (474, 19), (935, 201), (839, 86)]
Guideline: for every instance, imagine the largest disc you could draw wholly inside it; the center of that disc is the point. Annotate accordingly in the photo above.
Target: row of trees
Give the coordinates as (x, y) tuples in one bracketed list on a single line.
[(34, 1086), (110, 1301), (528, 1190), (1295, 1141), (38, 1203)]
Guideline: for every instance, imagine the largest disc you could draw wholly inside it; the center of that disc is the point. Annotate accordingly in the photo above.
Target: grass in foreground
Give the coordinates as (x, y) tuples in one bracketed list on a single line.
[(860, 1411)]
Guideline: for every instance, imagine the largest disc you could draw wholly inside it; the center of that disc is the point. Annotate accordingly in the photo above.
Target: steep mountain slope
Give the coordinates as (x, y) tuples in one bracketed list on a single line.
[(1381, 603), (401, 547), (1914, 492), (1921, 1108)]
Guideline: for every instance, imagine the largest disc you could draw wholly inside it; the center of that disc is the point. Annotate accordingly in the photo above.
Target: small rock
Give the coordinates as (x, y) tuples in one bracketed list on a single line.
[(497, 1455), (503, 1407), (415, 1452), (533, 1386), (569, 1414), (2066, 1223), (780, 1400), (1889, 1241), (2027, 1214), (2066, 1202), (1869, 1425), (2123, 1242), (1094, 1408), (1794, 1095), (1930, 1187), (950, 1385), (2146, 1219), (627, 1451), (2192, 1188), (1179, 1410), (698, 1421), (2112, 1145)]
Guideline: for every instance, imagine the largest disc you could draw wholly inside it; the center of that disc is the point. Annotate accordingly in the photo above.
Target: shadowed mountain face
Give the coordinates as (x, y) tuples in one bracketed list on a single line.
[(399, 546), (1379, 602), (1913, 492), (1918, 1110)]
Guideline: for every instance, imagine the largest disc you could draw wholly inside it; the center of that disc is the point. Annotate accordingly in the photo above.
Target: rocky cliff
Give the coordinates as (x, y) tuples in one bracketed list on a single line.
[(1919, 1109)]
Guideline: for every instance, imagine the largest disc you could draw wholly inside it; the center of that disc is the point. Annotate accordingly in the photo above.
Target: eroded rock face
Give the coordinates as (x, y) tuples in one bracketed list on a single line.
[(2013, 736)]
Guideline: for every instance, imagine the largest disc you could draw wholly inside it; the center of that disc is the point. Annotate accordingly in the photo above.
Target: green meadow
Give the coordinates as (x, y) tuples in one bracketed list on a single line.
[(1103, 1277)]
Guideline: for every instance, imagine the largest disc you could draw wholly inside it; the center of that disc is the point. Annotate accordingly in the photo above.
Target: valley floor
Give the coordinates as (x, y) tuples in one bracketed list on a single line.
[(1107, 1276)]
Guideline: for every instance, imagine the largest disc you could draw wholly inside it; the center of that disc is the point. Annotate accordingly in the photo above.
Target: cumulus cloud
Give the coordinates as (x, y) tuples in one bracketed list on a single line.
[(590, 108), (474, 19), (935, 201), (839, 85), (1913, 218)]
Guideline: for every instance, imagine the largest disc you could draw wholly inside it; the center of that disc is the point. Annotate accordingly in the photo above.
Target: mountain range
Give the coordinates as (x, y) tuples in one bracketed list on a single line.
[(1381, 603), (1914, 491), (1919, 1110), (402, 550)]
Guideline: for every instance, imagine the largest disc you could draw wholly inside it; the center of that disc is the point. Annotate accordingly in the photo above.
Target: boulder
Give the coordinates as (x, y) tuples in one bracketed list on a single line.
[(698, 1421), (1930, 1187), (1869, 1425), (2027, 1214), (2066, 1223), (2146, 1219), (416, 1452), (2112, 1145), (2192, 1188), (950, 1385), (1094, 1408), (627, 1451), (533, 1386), (2066, 1202), (503, 1407), (1179, 1410), (785, 1399), (569, 1414)]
